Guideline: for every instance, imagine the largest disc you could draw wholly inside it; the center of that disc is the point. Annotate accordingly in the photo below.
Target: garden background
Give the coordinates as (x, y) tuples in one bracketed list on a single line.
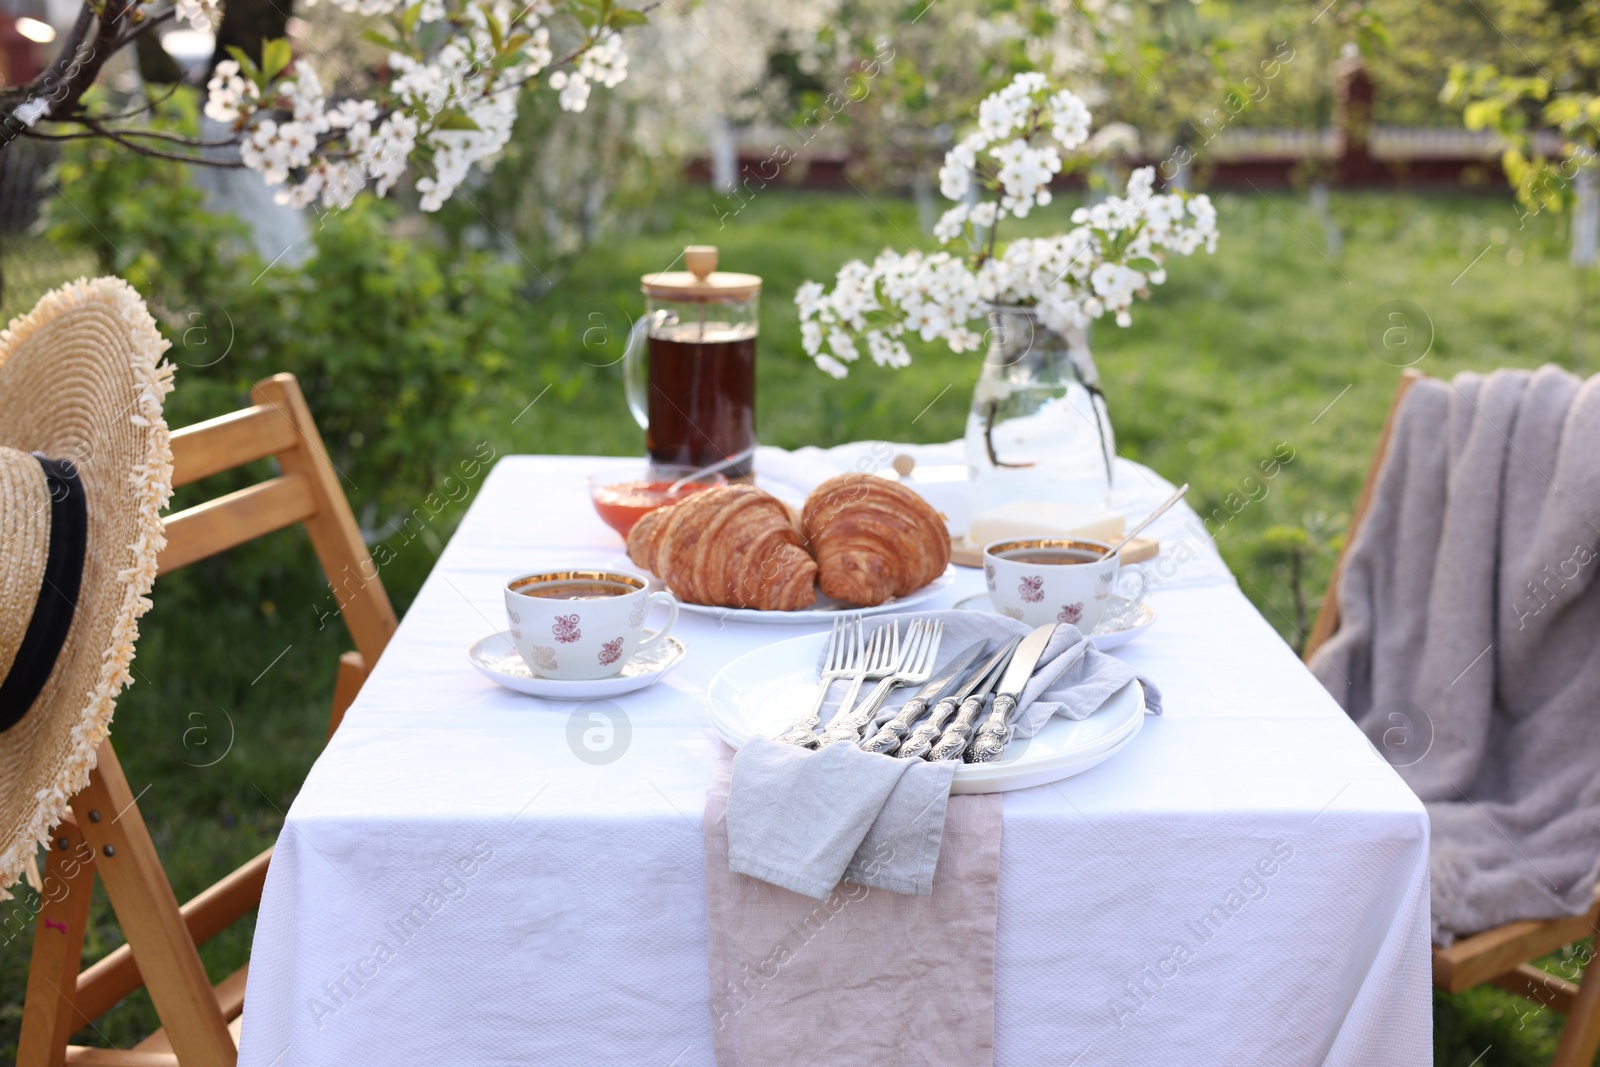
[(498, 324)]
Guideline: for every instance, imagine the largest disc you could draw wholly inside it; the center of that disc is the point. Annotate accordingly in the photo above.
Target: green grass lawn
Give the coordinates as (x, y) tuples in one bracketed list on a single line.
[(1265, 342)]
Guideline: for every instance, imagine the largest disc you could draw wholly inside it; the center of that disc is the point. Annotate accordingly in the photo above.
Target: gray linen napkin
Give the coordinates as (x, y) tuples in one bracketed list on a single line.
[(800, 818), (806, 819), (1074, 679)]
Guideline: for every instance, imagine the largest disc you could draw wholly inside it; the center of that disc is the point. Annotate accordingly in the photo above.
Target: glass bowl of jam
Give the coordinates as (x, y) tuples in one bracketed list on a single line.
[(622, 495)]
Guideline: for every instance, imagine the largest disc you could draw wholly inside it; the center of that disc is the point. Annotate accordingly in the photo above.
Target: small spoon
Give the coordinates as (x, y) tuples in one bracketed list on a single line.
[(732, 461), (1148, 519)]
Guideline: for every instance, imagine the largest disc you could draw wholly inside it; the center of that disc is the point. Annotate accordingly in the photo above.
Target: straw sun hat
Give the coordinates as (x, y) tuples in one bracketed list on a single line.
[(85, 469)]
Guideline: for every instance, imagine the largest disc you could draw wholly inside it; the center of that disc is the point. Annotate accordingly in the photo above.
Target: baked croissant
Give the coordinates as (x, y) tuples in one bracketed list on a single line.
[(873, 538), (729, 546)]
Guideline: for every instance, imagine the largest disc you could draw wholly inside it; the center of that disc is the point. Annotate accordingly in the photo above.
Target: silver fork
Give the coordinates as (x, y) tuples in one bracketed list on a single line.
[(845, 657), (889, 734), (883, 657), (915, 669)]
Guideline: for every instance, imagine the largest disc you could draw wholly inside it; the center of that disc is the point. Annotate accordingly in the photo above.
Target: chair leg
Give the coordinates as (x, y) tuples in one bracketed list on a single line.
[(1580, 1038), (49, 1015), (139, 892), (352, 675)]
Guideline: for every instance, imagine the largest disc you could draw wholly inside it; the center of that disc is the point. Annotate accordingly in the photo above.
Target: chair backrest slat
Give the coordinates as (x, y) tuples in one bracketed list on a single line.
[(229, 521), (334, 533), (229, 441), (279, 425)]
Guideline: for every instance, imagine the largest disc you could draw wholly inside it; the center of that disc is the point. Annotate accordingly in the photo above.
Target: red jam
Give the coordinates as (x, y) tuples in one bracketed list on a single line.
[(622, 505)]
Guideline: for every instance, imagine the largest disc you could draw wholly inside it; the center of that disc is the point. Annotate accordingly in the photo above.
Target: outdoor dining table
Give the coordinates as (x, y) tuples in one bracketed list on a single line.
[(473, 876)]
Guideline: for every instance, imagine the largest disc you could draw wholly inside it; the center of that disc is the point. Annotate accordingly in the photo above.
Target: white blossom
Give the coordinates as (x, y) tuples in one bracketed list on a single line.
[(305, 91), (605, 62), (1011, 109), (956, 173), (1069, 119), (574, 88), (538, 49), (228, 93), (31, 110), (201, 15), (262, 151), (951, 224), (1024, 175), (458, 101), (832, 366), (1071, 278)]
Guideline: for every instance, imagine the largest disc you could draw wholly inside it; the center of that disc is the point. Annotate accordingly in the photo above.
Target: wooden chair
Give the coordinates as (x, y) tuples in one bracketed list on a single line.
[(1502, 956), (106, 835)]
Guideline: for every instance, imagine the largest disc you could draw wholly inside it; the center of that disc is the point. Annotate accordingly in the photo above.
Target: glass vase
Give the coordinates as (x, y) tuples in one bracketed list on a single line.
[(1039, 430)]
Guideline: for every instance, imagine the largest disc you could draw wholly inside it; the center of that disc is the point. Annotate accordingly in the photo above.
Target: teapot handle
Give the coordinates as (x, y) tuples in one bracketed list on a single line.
[(633, 371)]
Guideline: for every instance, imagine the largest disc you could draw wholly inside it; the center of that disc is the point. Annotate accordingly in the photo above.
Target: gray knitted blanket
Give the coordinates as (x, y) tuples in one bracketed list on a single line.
[(1469, 643)]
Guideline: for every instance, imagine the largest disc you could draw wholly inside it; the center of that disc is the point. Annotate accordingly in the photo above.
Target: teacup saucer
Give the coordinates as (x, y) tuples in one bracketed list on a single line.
[(1123, 621), (497, 659)]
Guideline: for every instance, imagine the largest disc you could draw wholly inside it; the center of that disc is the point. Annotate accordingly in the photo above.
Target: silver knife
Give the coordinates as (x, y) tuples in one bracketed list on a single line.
[(890, 733), (954, 740), (922, 738), (996, 731)]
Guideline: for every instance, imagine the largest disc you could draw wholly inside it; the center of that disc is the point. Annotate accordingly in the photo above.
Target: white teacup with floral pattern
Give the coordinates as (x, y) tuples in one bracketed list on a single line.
[(582, 624), (1045, 580)]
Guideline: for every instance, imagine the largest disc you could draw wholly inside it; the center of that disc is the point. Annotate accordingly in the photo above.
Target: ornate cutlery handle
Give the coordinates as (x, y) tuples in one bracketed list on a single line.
[(861, 715), (839, 732), (923, 737), (848, 727), (994, 733), (802, 733), (804, 730), (890, 733), (959, 732)]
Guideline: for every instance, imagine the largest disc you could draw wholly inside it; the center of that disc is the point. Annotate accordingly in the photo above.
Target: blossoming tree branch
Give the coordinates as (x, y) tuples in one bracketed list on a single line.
[(447, 100), (1114, 252)]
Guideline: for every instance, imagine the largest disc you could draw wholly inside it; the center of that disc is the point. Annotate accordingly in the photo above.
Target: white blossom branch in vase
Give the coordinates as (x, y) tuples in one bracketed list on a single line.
[(1113, 253)]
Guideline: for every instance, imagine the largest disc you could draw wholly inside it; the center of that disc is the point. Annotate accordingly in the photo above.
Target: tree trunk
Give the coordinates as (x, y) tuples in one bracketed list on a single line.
[(246, 23), (155, 66)]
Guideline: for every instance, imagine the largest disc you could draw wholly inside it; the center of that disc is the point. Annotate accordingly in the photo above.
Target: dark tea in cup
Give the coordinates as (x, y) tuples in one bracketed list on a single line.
[(1051, 556), (579, 589)]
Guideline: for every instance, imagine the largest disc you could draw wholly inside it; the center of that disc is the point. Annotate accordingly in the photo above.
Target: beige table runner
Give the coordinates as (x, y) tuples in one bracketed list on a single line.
[(865, 977)]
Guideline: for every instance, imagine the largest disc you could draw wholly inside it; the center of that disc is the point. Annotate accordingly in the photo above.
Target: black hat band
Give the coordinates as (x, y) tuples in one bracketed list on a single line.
[(58, 593)]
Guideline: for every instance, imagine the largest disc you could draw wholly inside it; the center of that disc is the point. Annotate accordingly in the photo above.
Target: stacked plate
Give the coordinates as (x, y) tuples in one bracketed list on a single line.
[(763, 692)]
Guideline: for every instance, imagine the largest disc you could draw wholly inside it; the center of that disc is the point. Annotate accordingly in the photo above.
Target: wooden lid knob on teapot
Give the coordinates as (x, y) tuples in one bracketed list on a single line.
[(701, 260), (702, 281)]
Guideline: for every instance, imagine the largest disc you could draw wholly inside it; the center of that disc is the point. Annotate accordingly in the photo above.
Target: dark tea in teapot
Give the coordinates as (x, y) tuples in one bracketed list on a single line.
[(702, 380)]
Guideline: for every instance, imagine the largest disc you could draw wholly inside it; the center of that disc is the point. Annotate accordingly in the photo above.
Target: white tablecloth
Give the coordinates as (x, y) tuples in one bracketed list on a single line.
[(464, 880)]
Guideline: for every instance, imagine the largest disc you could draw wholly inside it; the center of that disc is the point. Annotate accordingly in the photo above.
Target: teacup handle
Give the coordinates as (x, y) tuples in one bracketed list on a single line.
[(672, 618), (1144, 581)]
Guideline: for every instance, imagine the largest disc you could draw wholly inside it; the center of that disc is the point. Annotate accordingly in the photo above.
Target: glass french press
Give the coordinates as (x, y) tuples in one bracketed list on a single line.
[(690, 365)]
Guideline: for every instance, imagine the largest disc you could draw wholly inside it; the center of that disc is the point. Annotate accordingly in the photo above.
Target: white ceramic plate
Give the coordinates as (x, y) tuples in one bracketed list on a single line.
[(825, 608), (497, 659), (764, 691), (1106, 636)]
